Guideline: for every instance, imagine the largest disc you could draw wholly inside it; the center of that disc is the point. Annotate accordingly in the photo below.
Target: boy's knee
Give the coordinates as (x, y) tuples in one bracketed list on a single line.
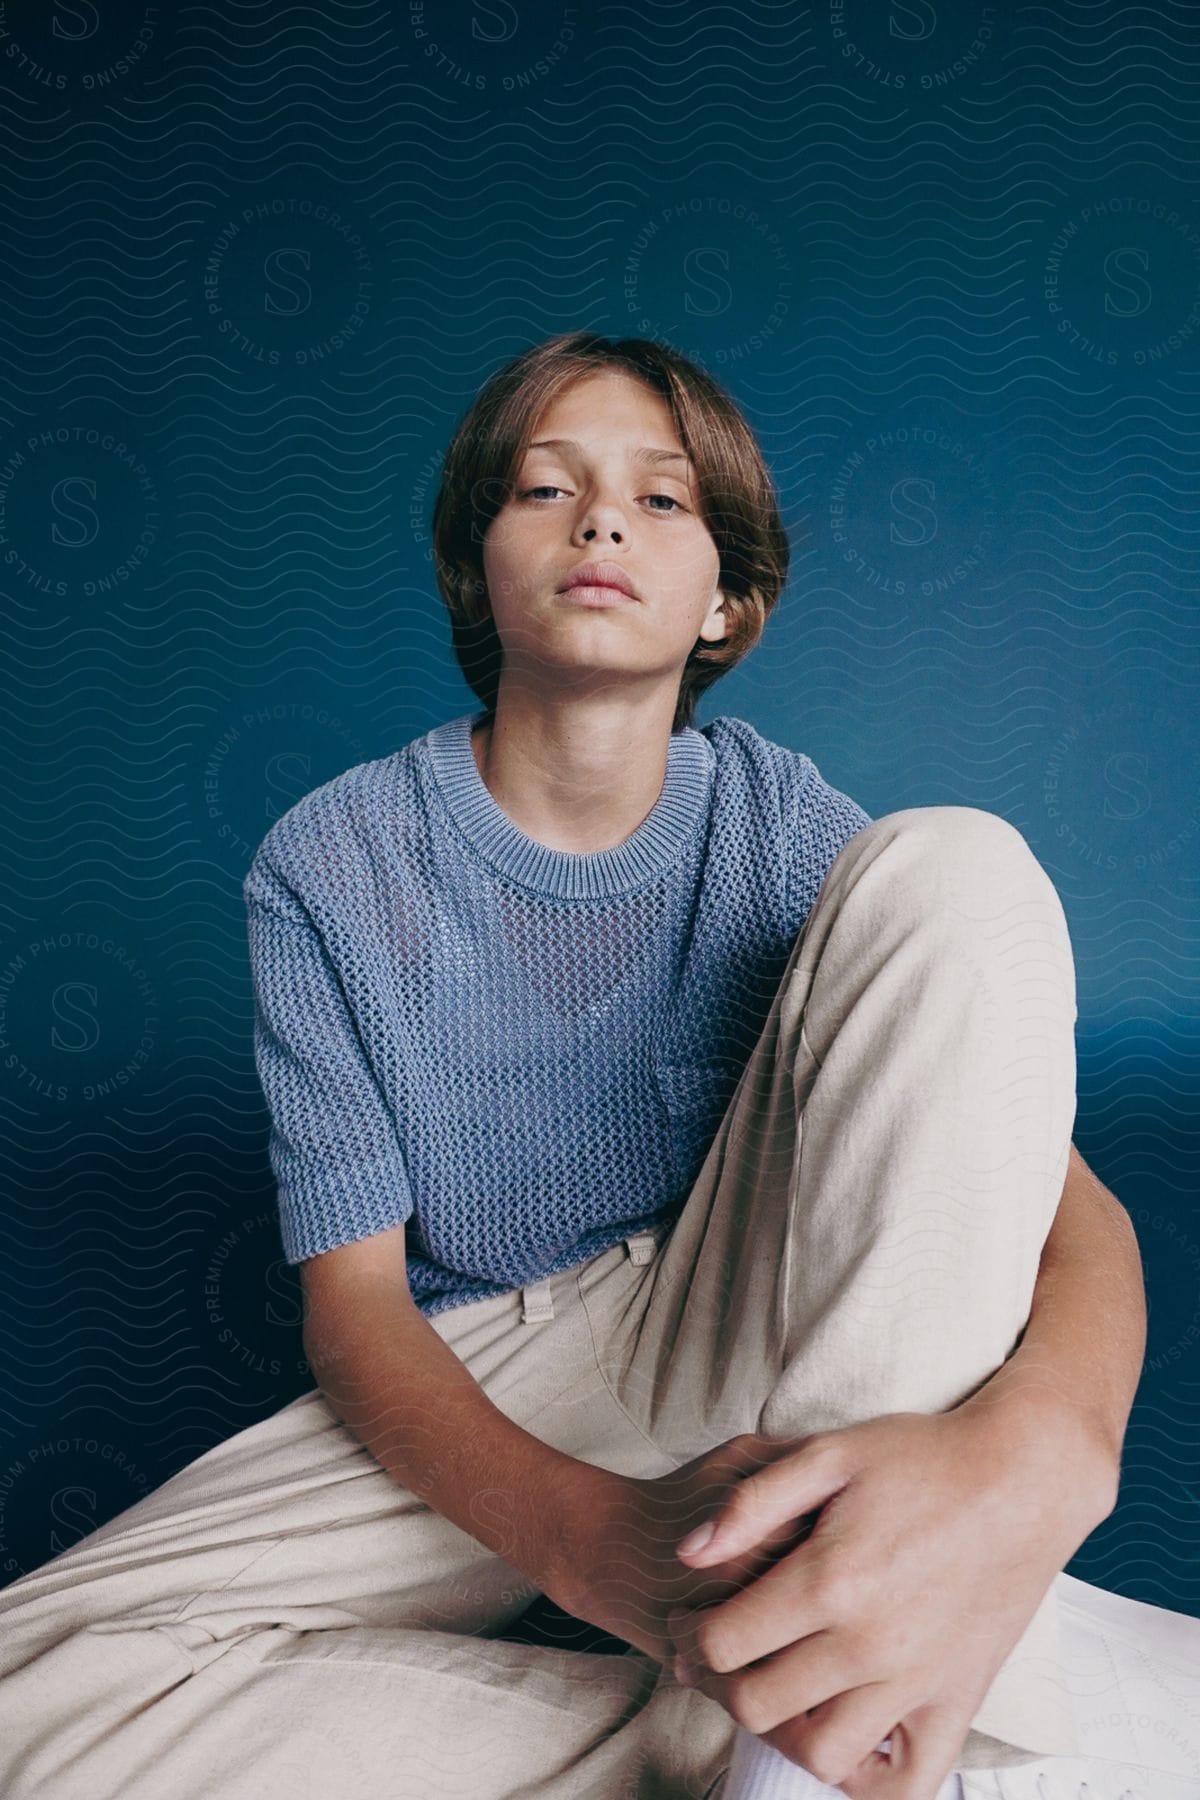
[(950, 827), (952, 863), (959, 841)]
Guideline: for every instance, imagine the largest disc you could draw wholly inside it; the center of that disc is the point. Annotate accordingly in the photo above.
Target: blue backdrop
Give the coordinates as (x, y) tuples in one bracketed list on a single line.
[(259, 260)]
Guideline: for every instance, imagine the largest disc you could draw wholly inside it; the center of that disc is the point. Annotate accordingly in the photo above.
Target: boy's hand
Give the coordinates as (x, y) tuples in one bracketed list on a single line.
[(937, 1538), (619, 1567)]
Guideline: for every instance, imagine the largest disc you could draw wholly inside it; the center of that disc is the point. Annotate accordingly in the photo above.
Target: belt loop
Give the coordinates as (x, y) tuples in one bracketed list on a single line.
[(641, 1247), (537, 1302)]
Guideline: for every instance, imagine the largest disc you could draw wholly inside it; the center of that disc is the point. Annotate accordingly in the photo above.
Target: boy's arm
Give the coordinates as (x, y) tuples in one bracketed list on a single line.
[(335, 1150), (413, 1402), (995, 1513), (1080, 1359)]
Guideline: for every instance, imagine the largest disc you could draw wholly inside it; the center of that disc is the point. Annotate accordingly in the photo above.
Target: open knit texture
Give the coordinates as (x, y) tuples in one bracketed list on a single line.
[(524, 1053)]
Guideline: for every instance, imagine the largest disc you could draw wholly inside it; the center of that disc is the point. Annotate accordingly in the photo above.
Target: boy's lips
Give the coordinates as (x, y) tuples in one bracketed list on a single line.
[(600, 575)]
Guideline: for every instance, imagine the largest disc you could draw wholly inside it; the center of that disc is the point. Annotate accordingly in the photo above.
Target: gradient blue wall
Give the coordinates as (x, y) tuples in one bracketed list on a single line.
[(260, 259)]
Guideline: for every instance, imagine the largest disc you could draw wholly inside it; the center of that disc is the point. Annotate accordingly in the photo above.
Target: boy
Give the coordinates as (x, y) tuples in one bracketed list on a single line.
[(549, 1003)]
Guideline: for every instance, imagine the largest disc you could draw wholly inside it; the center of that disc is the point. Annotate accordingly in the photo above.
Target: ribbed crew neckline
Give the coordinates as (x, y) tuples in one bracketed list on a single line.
[(566, 874)]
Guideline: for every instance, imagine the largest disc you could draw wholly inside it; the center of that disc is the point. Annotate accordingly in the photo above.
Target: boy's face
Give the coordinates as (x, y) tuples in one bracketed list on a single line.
[(592, 501)]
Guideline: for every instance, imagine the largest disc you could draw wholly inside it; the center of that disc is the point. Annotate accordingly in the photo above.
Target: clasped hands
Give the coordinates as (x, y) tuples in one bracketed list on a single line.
[(864, 1584)]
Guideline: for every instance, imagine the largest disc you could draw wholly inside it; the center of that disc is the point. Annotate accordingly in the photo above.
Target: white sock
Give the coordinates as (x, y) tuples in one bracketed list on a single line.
[(760, 1772)]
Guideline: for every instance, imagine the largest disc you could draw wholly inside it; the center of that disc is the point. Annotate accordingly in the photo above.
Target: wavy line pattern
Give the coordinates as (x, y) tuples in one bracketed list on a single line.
[(259, 258)]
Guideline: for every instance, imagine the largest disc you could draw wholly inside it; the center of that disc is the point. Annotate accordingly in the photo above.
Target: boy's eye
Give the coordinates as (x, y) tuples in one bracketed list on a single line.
[(549, 487)]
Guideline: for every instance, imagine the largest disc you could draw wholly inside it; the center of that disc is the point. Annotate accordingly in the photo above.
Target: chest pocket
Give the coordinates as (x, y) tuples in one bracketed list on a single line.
[(694, 1097)]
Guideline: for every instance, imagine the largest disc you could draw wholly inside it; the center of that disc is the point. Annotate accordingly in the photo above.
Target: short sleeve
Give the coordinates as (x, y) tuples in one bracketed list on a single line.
[(333, 1147), (823, 820)]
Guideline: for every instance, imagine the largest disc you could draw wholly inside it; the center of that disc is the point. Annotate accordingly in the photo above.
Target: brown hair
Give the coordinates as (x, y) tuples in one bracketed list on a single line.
[(735, 493)]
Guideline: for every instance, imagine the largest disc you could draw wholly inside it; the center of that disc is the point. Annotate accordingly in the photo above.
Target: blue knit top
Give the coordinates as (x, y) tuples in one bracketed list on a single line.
[(521, 1053)]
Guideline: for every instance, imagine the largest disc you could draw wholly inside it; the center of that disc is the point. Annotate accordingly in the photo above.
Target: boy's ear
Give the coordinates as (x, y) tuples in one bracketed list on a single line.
[(716, 626)]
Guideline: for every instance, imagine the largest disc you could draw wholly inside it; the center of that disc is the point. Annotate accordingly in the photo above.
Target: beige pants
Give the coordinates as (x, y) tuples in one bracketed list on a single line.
[(281, 1619)]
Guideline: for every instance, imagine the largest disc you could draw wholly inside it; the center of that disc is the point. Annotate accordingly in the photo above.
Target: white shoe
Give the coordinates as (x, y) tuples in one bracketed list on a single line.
[(1134, 1676), (1077, 1778)]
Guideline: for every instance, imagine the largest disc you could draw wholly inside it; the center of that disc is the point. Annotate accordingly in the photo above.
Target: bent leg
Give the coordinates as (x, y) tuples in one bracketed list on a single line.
[(865, 1234)]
